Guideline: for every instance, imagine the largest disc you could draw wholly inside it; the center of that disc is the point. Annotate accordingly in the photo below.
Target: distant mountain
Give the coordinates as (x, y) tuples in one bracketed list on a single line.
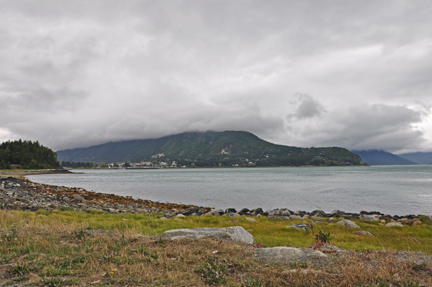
[(211, 149), (380, 157), (418, 157)]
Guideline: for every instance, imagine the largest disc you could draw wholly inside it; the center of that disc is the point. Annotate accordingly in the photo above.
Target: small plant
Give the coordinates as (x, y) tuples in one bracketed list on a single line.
[(143, 249), (56, 282), (159, 242), (19, 269), (322, 237), (250, 282), (80, 234), (212, 271), (258, 245)]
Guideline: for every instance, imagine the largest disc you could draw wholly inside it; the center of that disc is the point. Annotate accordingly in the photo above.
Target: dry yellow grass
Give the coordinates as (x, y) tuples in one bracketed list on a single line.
[(58, 249)]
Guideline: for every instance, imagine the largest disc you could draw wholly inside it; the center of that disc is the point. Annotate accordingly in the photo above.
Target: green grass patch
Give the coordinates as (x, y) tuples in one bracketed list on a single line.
[(267, 232)]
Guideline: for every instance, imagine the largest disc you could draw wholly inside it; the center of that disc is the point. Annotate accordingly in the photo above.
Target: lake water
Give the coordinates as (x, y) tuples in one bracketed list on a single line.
[(396, 190)]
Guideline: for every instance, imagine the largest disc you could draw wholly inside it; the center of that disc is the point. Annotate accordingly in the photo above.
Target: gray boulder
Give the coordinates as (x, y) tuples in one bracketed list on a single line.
[(318, 213), (215, 212), (295, 217), (288, 255), (363, 233), (250, 219), (232, 214), (235, 233), (347, 223), (369, 217), (394, 224), (301, 226), (78, 197)]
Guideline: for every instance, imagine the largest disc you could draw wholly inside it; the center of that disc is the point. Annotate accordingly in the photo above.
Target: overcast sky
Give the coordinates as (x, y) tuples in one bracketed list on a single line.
[(356, 74)]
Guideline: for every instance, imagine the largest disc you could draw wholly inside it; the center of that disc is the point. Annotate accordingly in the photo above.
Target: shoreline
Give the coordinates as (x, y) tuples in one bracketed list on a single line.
[(17, 192), (23, 173)]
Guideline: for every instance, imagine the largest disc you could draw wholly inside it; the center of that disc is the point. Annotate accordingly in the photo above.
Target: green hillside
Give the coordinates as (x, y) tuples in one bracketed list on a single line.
[(211, 149)]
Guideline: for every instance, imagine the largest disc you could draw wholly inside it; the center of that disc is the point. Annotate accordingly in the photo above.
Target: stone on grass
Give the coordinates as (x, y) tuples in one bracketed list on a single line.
[(295, 217), (363, 233), (235, 233), (394, 224), (347, 223), (301, 226), (288, 255), (232, 214), (215, 212), (250, 219), (369, 217)]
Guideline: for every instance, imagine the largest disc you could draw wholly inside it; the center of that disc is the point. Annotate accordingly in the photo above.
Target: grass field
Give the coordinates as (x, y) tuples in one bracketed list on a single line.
[(53, 249)]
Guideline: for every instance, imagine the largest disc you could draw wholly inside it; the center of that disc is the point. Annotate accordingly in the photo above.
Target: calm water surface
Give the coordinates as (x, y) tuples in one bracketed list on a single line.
[(394, 190)]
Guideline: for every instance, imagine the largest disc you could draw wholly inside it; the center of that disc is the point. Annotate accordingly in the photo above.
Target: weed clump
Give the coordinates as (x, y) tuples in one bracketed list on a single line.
[(322, 238), (212, 271)]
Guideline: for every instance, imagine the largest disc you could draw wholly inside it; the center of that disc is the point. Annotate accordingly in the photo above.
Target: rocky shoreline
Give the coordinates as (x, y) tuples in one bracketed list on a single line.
[(22, 194)]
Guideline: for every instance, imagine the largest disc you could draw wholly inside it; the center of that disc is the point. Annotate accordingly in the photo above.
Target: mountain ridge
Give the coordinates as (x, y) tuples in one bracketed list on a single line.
[(380, 157), (418, 157), (212, 149)]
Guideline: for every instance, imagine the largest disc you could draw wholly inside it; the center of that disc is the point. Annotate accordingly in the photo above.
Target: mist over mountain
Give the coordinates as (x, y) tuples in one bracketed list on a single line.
[(229, 148), (380, 157), (418, 157)]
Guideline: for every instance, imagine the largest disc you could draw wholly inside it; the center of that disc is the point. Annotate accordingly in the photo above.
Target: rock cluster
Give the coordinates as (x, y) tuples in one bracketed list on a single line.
[(25, 195), (284, 255), (286, 214)]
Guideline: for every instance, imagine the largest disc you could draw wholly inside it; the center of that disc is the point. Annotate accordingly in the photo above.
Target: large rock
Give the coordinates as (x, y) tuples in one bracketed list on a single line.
[(318, 213), (288, 255), (235, 233), (347, 223), (363, 233), (301, 226), (394, 224), (372, 217), (283, 213), (216, 212)]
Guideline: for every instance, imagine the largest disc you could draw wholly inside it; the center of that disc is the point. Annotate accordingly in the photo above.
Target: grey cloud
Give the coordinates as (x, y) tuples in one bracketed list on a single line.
[(110, 70), (307, 107), (366, 127), (29, 102)]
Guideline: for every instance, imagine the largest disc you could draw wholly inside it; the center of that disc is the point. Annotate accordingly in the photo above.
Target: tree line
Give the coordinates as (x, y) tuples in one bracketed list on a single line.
[(27, 155)]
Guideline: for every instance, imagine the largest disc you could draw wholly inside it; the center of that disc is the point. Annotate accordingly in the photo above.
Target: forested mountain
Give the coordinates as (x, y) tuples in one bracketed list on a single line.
[(380, 157), (418, 157), (211, 149), (27, 154)]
